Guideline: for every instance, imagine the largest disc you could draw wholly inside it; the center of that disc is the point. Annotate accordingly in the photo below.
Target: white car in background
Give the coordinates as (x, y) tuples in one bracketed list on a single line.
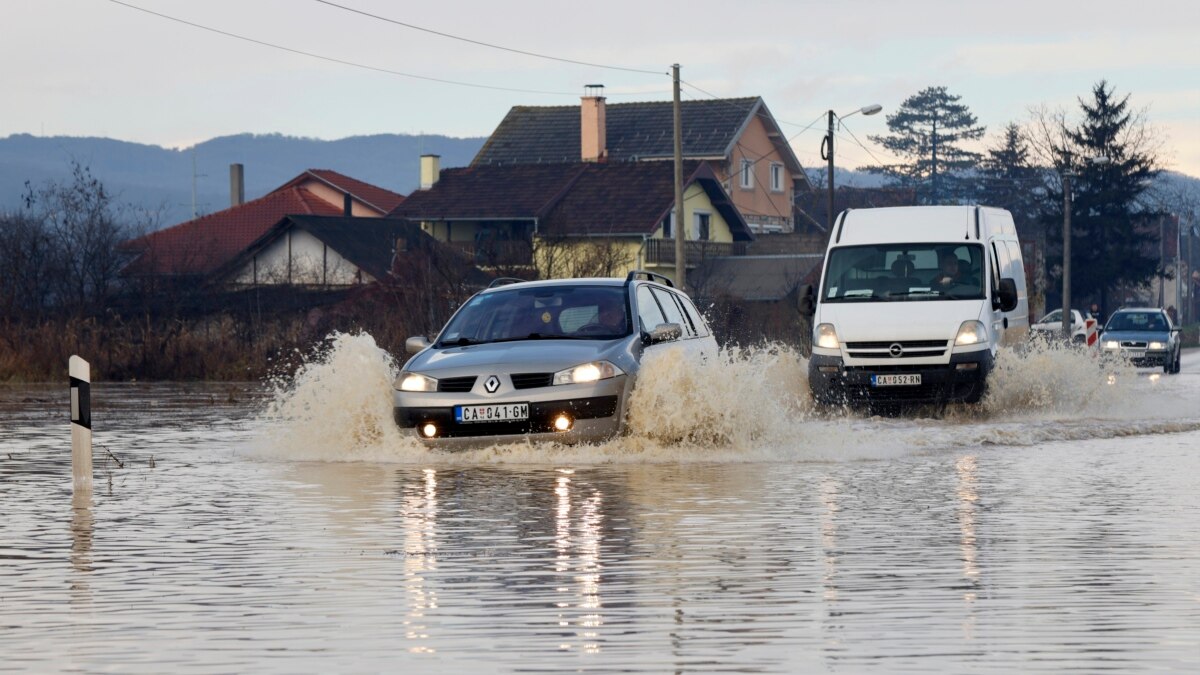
[(1052, 324)]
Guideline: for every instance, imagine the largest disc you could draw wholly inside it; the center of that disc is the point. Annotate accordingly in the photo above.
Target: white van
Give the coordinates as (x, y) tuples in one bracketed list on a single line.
[(914, 302)]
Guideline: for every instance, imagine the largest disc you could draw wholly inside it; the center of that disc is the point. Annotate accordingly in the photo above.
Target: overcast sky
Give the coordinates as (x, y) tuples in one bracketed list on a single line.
[(95, 68)]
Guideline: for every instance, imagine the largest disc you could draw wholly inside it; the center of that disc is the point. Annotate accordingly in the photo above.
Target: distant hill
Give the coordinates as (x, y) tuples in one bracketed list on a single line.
[(150, 176), (1170, 185)]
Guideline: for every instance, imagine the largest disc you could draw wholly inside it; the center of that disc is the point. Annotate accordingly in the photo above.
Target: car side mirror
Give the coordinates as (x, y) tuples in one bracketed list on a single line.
[(1006, 296), (665, 332), (1176, 329), (807, 302), (416, 344)]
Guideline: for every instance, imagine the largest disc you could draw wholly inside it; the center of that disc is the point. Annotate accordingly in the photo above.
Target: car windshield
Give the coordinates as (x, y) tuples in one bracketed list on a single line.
[(904, 272), (540, 313), (1140, 321)]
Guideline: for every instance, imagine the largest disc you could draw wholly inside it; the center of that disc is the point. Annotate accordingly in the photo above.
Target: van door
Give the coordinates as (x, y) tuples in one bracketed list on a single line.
[(1001, 268)]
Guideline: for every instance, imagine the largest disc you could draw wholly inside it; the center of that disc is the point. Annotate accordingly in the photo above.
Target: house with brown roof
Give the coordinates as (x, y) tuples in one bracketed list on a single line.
[(738, 137), (576, 219), (197, 249)]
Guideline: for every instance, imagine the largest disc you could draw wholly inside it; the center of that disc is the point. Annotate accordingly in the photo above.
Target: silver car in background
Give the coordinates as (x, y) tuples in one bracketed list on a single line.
[(1145, 336), (544, 360)]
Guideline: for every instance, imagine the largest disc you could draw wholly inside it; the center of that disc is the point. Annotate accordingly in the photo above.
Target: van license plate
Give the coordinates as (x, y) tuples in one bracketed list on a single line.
[(511, 412), (895, 380)]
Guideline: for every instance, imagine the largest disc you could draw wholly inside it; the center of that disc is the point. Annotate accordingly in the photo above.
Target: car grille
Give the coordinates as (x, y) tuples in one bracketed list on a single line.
[(1136, 344), (907, 344), (531, 380), (457, 385), (913, 349)]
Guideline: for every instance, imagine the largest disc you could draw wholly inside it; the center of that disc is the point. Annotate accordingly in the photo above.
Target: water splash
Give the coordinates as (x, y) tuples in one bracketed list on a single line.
[(737, 406)]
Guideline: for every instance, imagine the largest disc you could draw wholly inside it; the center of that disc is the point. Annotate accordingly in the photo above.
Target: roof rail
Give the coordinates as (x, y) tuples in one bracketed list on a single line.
[(650, 276), (504, 281)]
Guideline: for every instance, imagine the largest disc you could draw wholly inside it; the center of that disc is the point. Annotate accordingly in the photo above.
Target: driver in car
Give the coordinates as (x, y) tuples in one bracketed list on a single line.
[(612, 317)]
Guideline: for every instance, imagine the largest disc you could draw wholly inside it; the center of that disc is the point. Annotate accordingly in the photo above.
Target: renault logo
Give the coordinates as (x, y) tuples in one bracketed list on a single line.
[(491, 384), (896, 350)]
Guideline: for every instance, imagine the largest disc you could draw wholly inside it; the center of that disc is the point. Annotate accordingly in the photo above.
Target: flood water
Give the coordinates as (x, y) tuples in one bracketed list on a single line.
[(234, 528)]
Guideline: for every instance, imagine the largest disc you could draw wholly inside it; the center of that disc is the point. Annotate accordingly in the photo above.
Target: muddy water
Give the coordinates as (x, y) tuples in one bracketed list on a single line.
[(238, 528)]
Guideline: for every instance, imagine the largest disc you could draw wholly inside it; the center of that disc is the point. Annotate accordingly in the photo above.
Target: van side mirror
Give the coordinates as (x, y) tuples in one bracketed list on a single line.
[(416, 344), (807, 302), (1006, 296), (664, 332)]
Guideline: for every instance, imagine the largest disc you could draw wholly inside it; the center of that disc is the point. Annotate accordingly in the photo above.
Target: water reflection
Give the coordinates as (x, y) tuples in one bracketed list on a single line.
[(966, 468), (1058, 557), (83, 523), (419, 514)]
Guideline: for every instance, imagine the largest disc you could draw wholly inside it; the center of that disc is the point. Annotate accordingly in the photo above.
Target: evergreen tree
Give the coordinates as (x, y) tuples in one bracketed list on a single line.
[(926, 132), (1008, 179), (1114, 235)]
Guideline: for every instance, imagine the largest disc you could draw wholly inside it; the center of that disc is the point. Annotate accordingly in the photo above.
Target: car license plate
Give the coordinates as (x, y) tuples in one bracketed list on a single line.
[(895, 380), (510, 412)]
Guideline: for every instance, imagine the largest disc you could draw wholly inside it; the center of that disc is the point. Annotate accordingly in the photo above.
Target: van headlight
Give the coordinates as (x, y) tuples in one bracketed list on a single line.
[(971, 333), (825, 336), (587, 372), (1156, 345), (417, 382)]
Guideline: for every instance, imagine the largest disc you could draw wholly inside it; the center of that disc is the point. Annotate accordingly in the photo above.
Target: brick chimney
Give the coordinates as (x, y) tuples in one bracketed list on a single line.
[(237, 185), (593, 143), (431, 169)]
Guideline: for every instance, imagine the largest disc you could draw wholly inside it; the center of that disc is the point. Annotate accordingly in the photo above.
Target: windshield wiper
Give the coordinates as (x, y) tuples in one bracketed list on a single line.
[(459, 342), (848, 298)]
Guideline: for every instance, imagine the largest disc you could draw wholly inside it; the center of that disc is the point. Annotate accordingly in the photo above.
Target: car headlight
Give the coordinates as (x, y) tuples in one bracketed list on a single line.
[(417, 382), (587, 372), (971, 333), (826, 336), (1112, 344), (1156, 345)]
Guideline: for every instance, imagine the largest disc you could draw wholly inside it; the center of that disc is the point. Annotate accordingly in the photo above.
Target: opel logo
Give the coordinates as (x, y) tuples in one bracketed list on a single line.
[(896, 350), (491, 384)]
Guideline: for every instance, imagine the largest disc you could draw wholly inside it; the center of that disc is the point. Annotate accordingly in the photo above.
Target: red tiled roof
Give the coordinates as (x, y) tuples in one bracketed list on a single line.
[(380, 199), (200, 246)]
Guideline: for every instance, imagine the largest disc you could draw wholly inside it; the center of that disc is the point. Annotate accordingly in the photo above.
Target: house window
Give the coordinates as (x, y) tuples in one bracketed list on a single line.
[(666, 226), (747, 179), (776, 177), (700, 222)]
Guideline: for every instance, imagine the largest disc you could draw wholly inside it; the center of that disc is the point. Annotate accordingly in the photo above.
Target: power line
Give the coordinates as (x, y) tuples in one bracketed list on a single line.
[(341, 61), (488, 44), (858, 142)]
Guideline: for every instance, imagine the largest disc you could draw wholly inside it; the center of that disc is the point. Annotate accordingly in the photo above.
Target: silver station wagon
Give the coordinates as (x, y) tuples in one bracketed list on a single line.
[(544, 360)]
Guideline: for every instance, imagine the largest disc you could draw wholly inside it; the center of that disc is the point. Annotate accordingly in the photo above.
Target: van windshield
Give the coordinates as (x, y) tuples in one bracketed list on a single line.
[(904, 272)]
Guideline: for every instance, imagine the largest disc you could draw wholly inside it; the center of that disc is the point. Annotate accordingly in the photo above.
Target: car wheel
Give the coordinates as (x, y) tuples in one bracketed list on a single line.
[(1178, 358)]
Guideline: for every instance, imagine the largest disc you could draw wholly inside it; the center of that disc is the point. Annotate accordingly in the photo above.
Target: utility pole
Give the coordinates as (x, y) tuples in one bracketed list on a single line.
[(829, 151), (933, 171), (680, 263), (193, 182), (1162, 265), (1066, 264)]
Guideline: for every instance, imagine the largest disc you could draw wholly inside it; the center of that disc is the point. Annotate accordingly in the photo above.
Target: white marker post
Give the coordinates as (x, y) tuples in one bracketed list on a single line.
[(81, 421)]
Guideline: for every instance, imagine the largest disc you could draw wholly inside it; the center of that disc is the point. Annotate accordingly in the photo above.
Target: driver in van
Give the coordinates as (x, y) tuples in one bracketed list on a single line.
[(949, 270)]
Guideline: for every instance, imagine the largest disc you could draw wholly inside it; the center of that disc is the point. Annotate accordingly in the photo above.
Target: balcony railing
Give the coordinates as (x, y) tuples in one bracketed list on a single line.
[(496, 253), (662, 251)]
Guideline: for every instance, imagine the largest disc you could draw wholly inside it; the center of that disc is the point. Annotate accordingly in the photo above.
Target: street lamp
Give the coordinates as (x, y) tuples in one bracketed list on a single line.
[(827, 148), (1067, 174)]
